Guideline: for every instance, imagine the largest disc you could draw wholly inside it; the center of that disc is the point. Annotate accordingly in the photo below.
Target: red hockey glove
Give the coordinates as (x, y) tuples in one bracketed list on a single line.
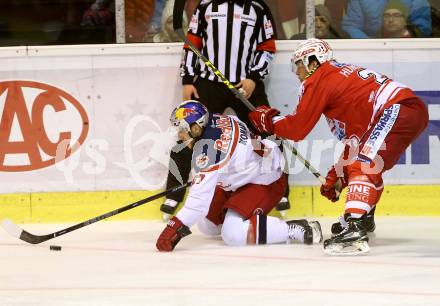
[(332, 184), (171, 235), (261, 119)]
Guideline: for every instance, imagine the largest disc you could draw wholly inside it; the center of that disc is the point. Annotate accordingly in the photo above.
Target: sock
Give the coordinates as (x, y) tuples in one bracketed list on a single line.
[(361, 196)]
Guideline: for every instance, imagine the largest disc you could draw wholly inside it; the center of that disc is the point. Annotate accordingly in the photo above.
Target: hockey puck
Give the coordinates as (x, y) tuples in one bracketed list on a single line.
[(55, 248)]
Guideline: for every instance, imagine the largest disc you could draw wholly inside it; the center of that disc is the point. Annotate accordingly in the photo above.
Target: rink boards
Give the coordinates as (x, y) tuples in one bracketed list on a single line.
[(87, 128), (403, 200)]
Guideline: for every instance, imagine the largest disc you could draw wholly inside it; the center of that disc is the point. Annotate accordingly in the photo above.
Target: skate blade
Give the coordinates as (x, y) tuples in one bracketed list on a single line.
[(317, 231), (371, 235), (347, 249)]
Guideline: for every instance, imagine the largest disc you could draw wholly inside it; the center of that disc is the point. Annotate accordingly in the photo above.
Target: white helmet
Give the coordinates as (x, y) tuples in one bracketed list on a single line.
[(312, 46)]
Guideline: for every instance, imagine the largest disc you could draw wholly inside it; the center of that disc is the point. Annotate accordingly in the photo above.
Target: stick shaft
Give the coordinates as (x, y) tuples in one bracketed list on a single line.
[(35, 239), (295, 152), (120, 210), (177, 24)]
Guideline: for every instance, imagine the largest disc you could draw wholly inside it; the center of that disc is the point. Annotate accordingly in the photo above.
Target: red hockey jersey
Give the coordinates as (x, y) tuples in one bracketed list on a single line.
[(350, 97)]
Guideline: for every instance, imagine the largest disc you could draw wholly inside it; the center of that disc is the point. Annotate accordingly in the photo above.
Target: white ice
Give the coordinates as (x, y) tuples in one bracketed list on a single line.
[(116, 263)]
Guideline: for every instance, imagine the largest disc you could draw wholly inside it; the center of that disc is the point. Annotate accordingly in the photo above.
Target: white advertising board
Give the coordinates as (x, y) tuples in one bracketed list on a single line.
[(77, 118)]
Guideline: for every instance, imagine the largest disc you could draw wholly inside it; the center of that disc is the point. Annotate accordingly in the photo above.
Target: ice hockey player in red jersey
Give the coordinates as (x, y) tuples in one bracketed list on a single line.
[(238, 179), (377, 119)]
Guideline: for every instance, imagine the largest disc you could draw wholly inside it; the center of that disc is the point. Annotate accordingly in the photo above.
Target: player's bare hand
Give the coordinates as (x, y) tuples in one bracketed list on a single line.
[(247, 87), (189, 91)]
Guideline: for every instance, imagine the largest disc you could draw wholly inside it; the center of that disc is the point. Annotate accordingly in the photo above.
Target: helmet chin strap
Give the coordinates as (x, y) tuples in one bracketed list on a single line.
[(310, 72)]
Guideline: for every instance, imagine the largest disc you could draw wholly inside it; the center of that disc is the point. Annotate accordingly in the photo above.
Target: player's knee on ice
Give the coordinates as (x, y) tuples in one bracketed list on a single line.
[(208, 228), (234, 229)]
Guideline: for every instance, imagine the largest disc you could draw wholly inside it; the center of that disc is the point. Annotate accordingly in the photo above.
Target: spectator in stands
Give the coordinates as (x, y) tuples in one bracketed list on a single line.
[(167, 33), (101, 12), (395, 23), (364, 18), (156, 21), (324, 27)]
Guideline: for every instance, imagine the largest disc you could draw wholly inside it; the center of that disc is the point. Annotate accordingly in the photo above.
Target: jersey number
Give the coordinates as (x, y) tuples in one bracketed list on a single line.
[(258, 146), (367, 73)]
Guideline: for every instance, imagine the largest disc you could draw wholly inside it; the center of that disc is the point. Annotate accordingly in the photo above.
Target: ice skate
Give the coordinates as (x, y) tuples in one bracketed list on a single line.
[(352, 240), (283, 206), (312, 231), (369, 224), (317, 231), (168, 208), (315, 225)]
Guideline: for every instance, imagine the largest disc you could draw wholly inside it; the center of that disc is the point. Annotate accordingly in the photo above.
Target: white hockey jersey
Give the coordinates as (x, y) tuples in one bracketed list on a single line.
[(229, 156)]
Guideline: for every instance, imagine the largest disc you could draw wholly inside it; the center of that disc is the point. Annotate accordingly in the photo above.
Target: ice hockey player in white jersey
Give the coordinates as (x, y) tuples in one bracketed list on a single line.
[(238, 179)]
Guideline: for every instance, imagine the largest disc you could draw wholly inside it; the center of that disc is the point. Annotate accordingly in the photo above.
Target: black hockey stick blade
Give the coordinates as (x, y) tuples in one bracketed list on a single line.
[(15, 231)]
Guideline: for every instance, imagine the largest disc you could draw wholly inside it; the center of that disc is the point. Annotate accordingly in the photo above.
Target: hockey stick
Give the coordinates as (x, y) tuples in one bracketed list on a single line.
[(177, 25), (15, 231)]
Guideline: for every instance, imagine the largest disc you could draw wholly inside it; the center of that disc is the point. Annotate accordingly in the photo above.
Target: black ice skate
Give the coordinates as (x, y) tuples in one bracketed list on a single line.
[(369, 224), (283, 206), (168, 208), (352, 240), (312, 231)]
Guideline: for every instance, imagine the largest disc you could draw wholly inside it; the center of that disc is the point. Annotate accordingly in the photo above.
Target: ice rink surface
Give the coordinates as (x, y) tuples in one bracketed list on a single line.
[(116, 263)]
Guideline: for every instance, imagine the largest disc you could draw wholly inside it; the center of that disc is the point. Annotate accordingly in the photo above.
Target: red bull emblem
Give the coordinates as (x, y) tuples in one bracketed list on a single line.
[(182, 113)]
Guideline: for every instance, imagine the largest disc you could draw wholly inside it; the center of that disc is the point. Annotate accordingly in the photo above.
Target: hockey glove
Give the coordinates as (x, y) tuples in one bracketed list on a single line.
[(171, 235), (332, 184), (261, 119)]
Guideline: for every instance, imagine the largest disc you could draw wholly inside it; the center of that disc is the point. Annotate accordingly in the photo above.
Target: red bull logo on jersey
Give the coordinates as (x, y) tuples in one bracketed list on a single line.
[(223, 143)]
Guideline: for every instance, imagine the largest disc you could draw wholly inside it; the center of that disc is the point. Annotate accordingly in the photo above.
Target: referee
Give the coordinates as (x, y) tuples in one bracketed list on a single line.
[(238, 37)]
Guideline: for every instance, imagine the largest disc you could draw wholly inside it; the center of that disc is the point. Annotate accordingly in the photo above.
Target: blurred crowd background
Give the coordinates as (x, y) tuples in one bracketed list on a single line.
[(57, 22)]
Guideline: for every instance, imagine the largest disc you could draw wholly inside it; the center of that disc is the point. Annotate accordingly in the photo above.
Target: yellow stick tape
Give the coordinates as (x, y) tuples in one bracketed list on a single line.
[(306, 201)]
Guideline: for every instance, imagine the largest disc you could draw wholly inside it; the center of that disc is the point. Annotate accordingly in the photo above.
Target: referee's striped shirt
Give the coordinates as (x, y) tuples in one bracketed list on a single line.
[(237, 36)]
